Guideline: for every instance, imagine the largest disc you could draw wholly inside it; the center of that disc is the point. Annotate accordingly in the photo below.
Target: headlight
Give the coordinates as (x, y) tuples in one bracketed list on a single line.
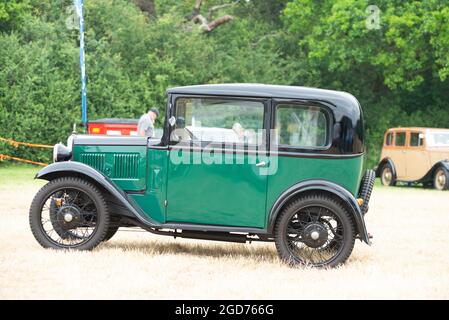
[(61, 153)]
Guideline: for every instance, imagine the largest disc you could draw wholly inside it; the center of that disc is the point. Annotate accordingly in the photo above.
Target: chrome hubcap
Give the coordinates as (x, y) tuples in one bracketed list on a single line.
[(68, 217), (387, 176), (440, 180), (315, 234)]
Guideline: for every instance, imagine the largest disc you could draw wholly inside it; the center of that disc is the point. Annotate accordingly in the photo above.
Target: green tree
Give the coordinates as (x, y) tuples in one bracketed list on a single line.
[(12, 13), (398, 71)]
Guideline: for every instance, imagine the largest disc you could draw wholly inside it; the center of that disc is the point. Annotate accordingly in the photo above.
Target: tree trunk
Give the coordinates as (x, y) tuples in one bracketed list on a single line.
[(205, 25), (147, 6)]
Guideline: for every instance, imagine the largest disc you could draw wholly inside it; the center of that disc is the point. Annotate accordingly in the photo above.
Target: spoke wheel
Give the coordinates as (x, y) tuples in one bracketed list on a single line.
[(441, 179), (56, 220), (69, 213), (315, 231)]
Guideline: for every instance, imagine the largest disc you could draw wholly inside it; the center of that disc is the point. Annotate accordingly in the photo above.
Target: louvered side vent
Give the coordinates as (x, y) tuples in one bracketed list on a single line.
[(95, 160), (126, 166)]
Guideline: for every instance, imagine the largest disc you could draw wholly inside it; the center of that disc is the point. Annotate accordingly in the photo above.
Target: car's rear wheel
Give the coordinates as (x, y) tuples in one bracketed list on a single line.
[(112, 230), (441, 179), (69, 213), (315, 231), (387, 176)]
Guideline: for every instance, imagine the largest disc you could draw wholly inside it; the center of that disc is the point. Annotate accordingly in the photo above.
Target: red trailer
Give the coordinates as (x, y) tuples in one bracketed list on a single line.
[(114, 126)]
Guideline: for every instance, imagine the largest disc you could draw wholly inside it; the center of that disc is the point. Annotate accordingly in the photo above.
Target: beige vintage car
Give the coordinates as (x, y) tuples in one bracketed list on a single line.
[(415, 155)]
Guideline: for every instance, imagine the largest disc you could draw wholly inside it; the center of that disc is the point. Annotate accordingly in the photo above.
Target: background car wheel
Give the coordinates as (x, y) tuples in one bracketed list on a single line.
[(386, 176), (69, 213), (441, 179), (315, 231)]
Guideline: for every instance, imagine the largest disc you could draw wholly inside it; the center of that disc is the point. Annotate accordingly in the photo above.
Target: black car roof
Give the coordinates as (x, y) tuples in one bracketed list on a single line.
[(269, 91)]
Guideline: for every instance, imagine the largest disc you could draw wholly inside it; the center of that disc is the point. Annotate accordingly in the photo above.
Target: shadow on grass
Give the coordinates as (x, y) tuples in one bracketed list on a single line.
[(264, 253)]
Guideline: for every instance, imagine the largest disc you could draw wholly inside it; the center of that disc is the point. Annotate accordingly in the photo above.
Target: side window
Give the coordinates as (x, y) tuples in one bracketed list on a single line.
[(301, 126), (416, 139), (389, 140), (214, 120), (400, 139)]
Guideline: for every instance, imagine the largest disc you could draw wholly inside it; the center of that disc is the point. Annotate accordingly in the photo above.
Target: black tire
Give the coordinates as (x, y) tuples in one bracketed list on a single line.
[(112, 230), (441, 179), (366, 189), (386, 176), (338, 253), (97, 202)]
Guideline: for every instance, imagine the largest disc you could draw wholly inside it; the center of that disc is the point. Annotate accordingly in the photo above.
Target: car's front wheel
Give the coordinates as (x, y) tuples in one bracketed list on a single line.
[(69, 213), (315, 230), (441, 179), (387, 176)]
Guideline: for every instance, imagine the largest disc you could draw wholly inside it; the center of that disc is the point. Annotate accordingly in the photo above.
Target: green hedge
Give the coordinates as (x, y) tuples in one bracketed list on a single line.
[(132, 59)]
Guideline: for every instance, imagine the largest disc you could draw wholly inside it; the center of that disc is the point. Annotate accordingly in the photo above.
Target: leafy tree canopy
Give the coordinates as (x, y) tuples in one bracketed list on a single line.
[(136, 49)]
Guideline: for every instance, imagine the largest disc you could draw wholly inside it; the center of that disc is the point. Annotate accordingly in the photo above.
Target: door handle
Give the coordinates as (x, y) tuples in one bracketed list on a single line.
[(261, 164)]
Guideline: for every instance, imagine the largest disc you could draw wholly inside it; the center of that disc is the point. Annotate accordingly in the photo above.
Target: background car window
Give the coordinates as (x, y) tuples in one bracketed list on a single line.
[(400, 139), (218, 120), (415, 140), (301, 126), (389, 141)]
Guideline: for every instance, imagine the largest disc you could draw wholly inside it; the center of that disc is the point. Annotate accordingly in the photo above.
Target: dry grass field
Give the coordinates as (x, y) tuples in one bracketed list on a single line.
[(408, 260)]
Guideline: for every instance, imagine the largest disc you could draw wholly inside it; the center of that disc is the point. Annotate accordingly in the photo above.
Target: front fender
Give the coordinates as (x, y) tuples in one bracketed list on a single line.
[(74, 168), (321, 185)]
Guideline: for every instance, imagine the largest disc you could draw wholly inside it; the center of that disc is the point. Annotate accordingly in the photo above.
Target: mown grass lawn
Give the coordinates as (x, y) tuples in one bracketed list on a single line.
[(408, 259), (18, 174)]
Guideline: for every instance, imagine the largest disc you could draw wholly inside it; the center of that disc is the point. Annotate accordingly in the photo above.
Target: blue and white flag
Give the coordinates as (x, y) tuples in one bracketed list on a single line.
[(79, 12)]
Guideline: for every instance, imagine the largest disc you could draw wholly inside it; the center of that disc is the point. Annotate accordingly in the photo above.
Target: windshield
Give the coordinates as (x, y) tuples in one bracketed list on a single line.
[(438, 139)]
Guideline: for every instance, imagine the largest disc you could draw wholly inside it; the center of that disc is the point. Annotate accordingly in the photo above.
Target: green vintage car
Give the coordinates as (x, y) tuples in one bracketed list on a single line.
[(236, 162)]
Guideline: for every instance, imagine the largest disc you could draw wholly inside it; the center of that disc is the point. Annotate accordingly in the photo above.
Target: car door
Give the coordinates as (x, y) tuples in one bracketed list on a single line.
[(416, 157), (215, 170), (398, 154)]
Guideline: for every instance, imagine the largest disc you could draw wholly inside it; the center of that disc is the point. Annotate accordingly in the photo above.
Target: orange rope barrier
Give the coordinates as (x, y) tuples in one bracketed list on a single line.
[(17, 143), (4, 156)]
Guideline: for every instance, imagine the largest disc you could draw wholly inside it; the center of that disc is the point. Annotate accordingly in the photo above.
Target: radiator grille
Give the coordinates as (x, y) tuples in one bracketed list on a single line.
[(126, 166), (95, 160)]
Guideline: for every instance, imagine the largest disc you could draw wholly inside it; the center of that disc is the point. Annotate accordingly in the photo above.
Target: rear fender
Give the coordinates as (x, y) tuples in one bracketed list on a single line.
[(320, 186), (382, 164)]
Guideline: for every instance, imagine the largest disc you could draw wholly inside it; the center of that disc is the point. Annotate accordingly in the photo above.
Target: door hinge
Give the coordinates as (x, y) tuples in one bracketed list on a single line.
[(165, 203)]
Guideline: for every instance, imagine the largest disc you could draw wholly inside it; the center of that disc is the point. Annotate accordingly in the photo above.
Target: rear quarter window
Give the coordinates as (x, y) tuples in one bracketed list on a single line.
[(301, 126)]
